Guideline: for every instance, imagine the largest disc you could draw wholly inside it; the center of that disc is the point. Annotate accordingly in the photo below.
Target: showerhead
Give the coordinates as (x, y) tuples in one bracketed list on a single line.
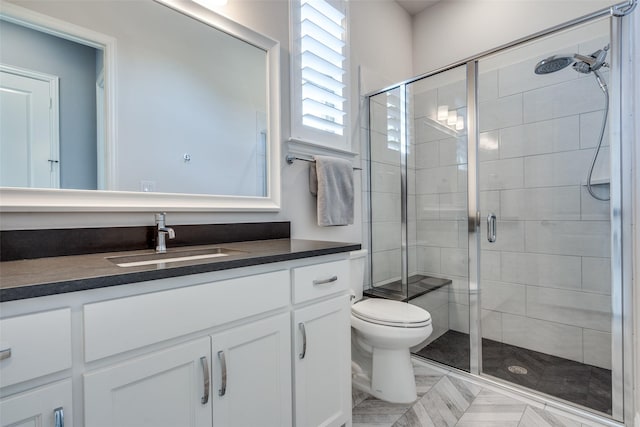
[(553, 63), (581, 63)]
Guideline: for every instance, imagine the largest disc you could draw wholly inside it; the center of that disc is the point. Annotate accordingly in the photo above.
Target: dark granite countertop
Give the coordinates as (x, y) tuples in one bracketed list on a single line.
[(55, 275)]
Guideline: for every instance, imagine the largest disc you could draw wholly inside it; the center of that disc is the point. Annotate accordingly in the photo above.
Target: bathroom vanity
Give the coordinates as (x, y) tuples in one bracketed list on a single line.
[(260, 337)]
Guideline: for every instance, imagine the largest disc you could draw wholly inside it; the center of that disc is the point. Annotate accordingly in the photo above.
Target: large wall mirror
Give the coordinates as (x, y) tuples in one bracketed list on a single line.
[(135, 105)]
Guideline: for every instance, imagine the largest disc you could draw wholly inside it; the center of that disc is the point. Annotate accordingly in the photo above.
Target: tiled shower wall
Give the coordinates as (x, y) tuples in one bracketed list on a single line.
[(546, 281)]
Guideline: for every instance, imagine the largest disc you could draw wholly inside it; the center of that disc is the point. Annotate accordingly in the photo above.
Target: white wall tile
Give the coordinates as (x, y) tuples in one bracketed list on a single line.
[(427, 206), (455, 262), (542, 270), (500, 113), (381, 151), (510, 236), (425, 103), (593, 209), (439, 323), (576, 308), (437, 180), (434, 300), (503, 297), (453, 206), (557, 169), (501, 174), (385, 236), (543, 137), (425, 131), (487, 85), (459, 318), (564, 99), (583, 238), (385, 266), (492, 325), (543, 336), (453, 151), (459, 291), (438, 233), (385, 207), (490, 202), (385, 178), (490, 265), (453, 95), (596, 275), (428, 259), (597, 348), (378, 112), (555, 203), (590, 128), (489, 146), (427, 155)]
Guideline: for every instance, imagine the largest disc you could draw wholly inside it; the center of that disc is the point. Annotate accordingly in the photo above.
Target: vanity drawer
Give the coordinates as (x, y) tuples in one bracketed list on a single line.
[(34, 345), (319, 280), (116, 326)]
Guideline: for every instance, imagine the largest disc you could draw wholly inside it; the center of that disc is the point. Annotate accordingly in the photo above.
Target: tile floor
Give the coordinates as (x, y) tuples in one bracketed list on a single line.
[(445, 399), (576, 382)]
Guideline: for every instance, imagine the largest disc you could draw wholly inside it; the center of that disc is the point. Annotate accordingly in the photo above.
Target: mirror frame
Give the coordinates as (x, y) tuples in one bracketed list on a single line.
[(65, 200)]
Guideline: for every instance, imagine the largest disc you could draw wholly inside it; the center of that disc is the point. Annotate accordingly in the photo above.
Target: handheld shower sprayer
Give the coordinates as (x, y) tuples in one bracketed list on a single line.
[(585, 65)]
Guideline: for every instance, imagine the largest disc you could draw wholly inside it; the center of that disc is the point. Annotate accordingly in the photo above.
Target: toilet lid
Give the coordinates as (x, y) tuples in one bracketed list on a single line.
[(391, 313)]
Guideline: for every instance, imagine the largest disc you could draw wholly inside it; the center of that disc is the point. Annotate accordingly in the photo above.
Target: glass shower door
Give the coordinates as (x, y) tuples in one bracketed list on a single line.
[(545, 284)]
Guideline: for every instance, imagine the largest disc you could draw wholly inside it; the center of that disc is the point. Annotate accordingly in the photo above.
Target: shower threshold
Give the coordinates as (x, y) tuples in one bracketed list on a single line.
[(418, 285)]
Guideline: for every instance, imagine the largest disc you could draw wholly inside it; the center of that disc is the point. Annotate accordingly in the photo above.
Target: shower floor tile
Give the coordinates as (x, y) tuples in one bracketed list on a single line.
[(576, 382)]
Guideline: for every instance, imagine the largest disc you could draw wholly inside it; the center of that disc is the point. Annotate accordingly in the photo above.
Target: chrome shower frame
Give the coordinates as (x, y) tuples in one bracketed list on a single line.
[(621, 208)]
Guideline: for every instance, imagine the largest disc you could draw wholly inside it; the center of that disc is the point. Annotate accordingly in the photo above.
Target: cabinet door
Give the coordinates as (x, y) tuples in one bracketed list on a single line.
[(322, 354), (49, 405), (168, 388), (252, 374)]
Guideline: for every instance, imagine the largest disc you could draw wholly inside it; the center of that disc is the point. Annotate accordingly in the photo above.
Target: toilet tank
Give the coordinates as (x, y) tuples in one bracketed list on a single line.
[(358, 261)]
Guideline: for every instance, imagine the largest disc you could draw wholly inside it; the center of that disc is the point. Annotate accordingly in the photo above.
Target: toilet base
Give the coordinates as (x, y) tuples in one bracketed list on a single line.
[(390, 378)]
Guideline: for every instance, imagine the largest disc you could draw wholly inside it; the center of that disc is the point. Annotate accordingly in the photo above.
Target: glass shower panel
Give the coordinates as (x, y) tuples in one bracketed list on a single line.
[(437, 201), (545, 290), (386, 170)]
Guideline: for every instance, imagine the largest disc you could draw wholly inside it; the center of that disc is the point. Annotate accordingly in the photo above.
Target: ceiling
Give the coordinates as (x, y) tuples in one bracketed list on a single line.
[(416, 6)]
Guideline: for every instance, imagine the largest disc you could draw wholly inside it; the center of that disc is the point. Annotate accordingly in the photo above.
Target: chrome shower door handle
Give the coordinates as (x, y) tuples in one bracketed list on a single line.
[(303, 331), (58, 417), (205, 376), (223, 375), (491, 228)]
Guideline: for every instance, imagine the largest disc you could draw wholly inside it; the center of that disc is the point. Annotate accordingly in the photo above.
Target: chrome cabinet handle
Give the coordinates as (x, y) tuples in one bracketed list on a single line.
[(58, 417), (205, 376), (304, 340), (223, 368), (325, 281), (5, 353), (491, 227)]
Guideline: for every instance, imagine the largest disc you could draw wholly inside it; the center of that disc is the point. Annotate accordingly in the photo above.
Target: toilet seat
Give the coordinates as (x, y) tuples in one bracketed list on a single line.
[(391, 313)]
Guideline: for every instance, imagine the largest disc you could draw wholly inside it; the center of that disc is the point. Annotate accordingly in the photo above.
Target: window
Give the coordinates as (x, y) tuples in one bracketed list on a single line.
[(319, 71)]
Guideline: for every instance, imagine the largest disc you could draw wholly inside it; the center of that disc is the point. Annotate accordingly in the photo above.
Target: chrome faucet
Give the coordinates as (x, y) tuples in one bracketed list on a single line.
[(161, 246)]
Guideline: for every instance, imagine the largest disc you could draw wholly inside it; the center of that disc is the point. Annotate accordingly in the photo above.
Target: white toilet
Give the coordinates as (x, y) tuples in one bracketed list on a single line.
[(382, 331)]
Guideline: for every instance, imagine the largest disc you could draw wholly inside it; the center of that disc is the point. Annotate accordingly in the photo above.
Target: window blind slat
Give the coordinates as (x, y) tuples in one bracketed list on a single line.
[(321, 35), (309, 59), (321, 124), (318, 109), (309, 90), (322, 80), (327, 10), (312, 14), (314, 46)]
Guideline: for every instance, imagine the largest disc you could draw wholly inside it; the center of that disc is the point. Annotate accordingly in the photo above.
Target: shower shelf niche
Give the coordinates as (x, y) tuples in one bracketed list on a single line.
[(418, 286)]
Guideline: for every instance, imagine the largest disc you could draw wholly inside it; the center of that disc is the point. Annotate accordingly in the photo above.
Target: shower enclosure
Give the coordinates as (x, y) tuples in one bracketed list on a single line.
[(489, 186)]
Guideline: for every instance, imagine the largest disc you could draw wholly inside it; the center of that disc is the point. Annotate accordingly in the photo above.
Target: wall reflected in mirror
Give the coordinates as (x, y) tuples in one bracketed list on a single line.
[(190, 104)]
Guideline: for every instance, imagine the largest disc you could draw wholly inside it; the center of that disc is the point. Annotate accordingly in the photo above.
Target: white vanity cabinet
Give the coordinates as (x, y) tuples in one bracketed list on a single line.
[(164, 389), (49, 405), (252, 374), (32, 348), (322, 351)]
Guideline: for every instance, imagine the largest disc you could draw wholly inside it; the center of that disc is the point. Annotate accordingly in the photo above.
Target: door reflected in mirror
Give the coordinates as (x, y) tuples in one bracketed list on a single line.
[(191, 104)]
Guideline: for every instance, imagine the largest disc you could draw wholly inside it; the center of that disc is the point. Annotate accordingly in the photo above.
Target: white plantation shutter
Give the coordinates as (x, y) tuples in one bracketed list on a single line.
[(319, 71)]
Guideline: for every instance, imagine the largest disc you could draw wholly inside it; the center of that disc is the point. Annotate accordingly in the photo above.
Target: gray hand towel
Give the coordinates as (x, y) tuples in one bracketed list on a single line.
[(331, 179)]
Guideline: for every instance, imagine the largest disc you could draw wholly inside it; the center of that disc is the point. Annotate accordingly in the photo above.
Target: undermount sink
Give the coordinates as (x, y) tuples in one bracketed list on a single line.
[(172, 256)]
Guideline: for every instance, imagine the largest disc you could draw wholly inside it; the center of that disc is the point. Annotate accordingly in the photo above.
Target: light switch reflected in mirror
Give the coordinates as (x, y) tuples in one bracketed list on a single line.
[(191, 104)]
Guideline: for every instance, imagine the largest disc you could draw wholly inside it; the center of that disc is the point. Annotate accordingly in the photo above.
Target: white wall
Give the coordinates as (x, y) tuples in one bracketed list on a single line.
[(271, 17), (453, 30)]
